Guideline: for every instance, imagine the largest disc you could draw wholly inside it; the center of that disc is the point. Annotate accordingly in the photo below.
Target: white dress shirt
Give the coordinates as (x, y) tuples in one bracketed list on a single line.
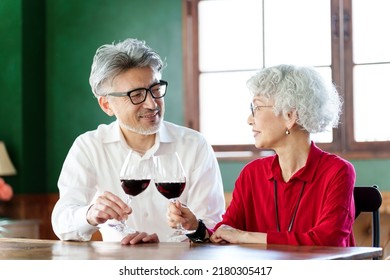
[(93, 164)]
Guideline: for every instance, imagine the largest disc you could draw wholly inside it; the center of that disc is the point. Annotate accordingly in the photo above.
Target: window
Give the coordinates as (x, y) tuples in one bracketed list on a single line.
[(226, 41)]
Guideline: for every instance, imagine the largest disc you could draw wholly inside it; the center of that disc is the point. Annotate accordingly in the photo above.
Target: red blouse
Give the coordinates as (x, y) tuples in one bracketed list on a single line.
[(325, 209)]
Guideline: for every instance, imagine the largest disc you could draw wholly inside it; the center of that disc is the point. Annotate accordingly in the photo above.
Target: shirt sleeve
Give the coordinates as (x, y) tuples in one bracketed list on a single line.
[(77, 188), (235, 215)]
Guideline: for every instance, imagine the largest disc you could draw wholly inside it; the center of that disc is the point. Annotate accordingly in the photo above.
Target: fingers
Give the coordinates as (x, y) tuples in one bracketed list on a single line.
[(176, 214), (215, 239), (179, 213), (224, 234), (151, 238), (108, 206), (96, 216), (115, 202), (174, 208), (130, 239), (173, 224), (140, 237)]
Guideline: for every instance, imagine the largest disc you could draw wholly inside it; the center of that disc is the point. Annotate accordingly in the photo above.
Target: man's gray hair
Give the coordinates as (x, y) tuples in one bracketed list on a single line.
[(112, 59)]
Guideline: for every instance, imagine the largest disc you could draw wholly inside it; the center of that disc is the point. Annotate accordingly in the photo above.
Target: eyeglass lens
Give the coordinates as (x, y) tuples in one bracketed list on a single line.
[(138, 96)]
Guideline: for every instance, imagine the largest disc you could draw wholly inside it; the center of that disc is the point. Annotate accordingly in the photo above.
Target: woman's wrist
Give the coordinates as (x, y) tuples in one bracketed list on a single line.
[(253, 237)]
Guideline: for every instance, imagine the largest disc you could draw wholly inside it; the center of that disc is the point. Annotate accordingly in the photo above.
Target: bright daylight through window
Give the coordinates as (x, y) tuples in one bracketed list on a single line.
[(232, 39)]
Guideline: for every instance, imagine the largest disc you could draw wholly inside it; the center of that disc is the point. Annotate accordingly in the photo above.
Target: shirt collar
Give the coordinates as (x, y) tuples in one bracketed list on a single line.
[(306, 173), (165, 135), (113, 134)]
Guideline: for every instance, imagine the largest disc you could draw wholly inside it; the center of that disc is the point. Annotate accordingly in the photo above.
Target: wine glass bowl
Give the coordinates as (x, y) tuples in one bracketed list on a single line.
[(170, 190), (134, 187), (169, 176)]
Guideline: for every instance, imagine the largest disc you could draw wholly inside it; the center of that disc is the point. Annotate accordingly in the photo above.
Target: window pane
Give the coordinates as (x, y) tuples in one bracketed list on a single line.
[(297, 32), (230, 35), (371, 39), (224, 105), (371, 101), (224, 48)]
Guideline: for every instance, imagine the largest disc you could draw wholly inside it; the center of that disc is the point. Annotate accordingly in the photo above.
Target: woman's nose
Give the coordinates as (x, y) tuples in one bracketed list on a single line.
[(251, 120)]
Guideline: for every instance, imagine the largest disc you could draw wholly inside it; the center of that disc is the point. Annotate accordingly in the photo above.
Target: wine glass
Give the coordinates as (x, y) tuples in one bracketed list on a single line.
[(135, 177), (170, 180)]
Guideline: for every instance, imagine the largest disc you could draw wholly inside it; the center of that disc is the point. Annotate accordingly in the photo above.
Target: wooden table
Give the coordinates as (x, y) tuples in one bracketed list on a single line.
[(36, 249), (21, 228)]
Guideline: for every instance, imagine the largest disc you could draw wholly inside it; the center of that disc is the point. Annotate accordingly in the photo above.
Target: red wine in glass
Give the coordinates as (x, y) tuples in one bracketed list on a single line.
[(134, 187), (171, 190)]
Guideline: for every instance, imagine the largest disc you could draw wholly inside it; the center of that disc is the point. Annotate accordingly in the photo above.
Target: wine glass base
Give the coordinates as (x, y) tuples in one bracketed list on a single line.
[(122, 228), (180, 235), (177, 238)]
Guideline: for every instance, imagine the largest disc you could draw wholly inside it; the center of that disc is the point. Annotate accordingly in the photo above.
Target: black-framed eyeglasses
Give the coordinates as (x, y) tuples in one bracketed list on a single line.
[(138, 95), (257, 108)]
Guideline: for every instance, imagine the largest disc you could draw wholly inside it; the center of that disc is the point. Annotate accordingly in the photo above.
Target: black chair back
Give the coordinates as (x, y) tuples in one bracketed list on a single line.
[(369, 199)]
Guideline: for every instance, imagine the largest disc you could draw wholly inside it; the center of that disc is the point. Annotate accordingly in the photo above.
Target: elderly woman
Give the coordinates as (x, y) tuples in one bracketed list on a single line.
[(301, 195)]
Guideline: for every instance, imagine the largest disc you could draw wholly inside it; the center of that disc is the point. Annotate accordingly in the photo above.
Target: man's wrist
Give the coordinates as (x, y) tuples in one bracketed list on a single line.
[(200, 234)]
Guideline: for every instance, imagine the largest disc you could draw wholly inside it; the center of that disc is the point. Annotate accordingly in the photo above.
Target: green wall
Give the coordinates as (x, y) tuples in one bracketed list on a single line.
[(75, 29), (45, 99), (11, 77), (22, 94)]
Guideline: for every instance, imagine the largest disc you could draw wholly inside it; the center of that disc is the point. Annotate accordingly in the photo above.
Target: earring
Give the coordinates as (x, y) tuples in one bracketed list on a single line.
[(287, 131)]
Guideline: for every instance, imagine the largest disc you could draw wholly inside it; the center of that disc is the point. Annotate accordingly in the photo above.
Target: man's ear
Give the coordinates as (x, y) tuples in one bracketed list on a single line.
[(105, 105)]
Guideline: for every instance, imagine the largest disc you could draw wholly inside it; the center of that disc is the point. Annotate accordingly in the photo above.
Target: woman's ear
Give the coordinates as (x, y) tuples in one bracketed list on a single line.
[(105, 105), (291, 119)]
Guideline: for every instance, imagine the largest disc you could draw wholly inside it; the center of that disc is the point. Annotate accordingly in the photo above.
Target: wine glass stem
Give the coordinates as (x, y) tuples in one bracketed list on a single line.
[(179, 227), (123, 222), (128, 200)]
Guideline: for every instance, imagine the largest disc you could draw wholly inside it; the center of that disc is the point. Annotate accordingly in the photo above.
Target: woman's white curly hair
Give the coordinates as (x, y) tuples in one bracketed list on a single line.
[(317, 102)]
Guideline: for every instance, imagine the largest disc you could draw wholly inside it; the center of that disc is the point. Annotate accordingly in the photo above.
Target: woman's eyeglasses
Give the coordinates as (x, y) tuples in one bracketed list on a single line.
[(257, 108)]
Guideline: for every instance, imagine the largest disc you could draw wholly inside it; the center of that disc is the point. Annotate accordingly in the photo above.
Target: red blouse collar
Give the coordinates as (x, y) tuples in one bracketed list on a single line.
[(306, 173)]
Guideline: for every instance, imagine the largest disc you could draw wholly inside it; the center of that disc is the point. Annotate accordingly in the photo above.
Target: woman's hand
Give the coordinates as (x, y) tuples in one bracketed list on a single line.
[(179, 213), (229, 234), (140, 237)]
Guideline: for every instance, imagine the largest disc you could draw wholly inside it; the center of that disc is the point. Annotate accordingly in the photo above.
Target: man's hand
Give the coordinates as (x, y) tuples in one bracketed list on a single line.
[(179, 213), (107, 206), (140, 237)]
